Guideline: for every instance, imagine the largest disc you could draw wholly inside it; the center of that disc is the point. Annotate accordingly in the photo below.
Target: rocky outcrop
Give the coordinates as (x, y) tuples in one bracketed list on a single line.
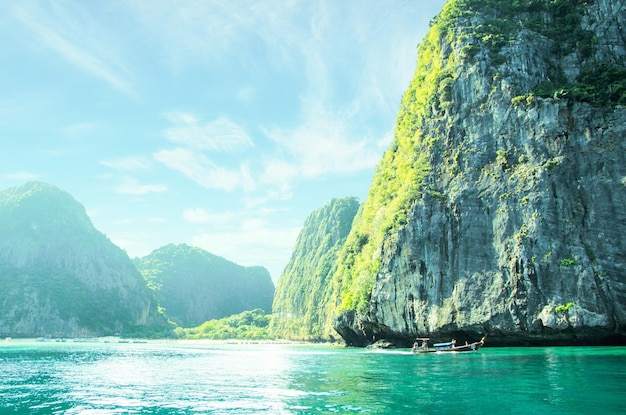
[(513, 221), (60, 277), (194, 286), (301, 308)]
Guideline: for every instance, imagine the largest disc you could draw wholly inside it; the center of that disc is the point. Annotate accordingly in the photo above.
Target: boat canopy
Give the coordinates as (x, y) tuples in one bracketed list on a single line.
[(444, 346)]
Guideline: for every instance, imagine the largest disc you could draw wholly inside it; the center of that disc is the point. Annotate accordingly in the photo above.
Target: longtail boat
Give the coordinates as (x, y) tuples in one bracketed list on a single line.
[(421, 346)]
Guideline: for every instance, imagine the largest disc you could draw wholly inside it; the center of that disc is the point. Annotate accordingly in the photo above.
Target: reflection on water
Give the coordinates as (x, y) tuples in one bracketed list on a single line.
[(175, 378)]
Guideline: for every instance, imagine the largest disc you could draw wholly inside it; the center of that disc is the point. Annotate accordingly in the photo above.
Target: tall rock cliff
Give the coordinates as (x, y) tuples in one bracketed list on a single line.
[(499, 208), (195, 286), (303, 296), (61, 277)]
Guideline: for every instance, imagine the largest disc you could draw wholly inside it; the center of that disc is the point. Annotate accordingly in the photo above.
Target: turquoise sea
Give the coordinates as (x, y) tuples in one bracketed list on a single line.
[(209, 378)]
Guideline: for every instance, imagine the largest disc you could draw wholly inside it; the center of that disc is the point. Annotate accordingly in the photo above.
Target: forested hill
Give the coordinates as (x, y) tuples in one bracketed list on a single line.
[(61, 277), (303, 291), (194, 286), (499, 207)]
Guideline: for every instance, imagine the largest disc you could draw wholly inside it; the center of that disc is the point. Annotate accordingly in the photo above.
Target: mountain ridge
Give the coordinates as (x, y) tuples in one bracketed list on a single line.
[(194, 286), (60, 276)]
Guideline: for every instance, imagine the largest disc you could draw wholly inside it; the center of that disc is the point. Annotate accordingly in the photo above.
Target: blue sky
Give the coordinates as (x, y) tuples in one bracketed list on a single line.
[(218, 124)]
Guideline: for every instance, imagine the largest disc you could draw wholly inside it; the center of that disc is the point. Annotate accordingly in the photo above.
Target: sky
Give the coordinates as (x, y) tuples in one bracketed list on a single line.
[(219, 124)]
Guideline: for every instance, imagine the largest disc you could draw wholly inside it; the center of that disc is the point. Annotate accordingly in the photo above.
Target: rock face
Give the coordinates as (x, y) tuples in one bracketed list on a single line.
[(499, 208), (303, 291), (60, 277), (195, 286)]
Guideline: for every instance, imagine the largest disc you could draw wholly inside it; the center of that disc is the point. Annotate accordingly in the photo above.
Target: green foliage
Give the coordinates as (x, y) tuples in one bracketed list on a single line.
[(552, 164), (398, 181), (564, 308), (598, 84), (568, 262), (500, 20), (140, 331), (248, 325), (601, 85), (303, 303)]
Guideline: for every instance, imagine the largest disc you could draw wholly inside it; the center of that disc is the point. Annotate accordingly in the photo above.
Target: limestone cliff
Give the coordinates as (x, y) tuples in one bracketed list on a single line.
[(194, 286), (499, 208), (303, 292), (60, 277)]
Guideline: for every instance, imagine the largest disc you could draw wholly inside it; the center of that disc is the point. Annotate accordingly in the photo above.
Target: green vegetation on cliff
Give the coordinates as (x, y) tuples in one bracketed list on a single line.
[(477, 33), (60, 277), (304, 301), (398, 180), (560, 21), (194, 286)]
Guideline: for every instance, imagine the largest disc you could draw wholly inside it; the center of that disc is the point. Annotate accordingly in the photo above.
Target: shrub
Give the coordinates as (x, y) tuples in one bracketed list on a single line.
[(564, 308)]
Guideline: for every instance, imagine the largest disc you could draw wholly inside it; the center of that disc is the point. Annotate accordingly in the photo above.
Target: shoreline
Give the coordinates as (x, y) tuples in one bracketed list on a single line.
[(122, 340)]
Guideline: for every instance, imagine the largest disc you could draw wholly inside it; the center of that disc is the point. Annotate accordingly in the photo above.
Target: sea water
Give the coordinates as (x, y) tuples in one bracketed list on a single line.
[(209, 378)]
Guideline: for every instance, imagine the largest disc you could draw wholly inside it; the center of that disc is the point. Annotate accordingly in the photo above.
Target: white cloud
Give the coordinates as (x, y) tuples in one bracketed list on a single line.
[(201, 170), (180, 117), (196, 215), (218, 135), (278, 171), (133, 187), (124, 221), (323, 145), (196, 140), (255, 242)]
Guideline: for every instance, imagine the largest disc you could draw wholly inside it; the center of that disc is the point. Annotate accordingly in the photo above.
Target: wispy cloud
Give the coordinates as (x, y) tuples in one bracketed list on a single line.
[(254, 242), (127, 163), (218, 135), (23, 176), (73, 34), (209, 31), (279, 172), (202, 170), (303, 38), (323, 145), (132, 187), (197, 141), (332, 135)]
